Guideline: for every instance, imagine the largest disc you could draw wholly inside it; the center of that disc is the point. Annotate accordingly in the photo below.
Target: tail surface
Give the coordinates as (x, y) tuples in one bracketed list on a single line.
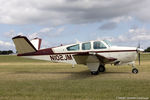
[(23, 45), (36, 43)]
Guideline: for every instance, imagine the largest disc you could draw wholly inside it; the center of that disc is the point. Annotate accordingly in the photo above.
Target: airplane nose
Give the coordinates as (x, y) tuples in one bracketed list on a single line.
[(140, 50)]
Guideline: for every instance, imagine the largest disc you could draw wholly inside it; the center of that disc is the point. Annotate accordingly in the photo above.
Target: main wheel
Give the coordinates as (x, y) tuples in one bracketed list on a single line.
[(94, 72), (101, 68), (135, 71)]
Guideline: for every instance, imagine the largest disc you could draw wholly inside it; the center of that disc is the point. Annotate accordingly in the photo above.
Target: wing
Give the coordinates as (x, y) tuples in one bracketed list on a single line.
[(84, 58)]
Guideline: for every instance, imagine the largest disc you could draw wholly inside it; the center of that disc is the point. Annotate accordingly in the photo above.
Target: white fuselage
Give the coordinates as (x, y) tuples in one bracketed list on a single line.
[(61, 54)]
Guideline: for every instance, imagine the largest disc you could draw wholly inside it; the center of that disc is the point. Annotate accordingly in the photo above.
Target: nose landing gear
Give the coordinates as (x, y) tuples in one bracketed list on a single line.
[(134, 70)]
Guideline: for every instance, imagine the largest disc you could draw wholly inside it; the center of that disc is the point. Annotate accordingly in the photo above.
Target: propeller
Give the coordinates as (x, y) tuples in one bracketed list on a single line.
[(138, 51), (139, 56)]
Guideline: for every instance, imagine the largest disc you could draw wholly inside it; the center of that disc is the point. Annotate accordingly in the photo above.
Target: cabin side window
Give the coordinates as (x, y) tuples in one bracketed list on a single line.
[(73, 48), (98, 45), (86, 46)]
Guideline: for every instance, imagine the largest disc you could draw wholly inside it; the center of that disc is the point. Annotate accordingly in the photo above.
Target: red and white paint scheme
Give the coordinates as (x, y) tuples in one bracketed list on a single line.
[(94, 54), (36, 42)]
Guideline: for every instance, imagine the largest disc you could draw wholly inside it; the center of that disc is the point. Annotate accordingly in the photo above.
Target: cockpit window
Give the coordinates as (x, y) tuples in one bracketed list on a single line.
[(73, 48), (108, 42), (86, 46), (98, 45)]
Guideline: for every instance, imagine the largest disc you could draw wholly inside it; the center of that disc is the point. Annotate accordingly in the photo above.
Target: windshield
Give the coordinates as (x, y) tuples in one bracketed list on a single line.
[(98, 45), (108, 42)]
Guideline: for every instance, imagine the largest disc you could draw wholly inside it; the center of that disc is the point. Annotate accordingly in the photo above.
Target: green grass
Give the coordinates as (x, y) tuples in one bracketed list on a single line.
[(14, 59), (26, 79), (145, 56)]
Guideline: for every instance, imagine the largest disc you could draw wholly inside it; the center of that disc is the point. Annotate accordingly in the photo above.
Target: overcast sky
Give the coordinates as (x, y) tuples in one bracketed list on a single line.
[(124, 22)]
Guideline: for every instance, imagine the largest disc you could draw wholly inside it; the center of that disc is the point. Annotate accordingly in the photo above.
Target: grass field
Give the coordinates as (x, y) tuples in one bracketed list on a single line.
[(26, 79)]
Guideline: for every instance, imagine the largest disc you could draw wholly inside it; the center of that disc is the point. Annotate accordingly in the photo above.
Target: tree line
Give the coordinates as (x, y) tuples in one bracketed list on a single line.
[(147, 50), (6, 52)]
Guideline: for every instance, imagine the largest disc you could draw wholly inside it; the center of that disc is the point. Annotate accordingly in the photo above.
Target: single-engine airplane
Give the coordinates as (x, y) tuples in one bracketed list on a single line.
[(94, 54)]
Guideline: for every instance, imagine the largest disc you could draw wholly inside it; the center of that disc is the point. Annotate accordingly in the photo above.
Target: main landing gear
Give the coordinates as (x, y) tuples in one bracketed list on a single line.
[(101, 68), (134, 70)]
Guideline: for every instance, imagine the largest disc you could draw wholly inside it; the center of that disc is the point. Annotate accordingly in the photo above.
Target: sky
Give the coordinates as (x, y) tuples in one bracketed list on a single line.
[(123, 22)]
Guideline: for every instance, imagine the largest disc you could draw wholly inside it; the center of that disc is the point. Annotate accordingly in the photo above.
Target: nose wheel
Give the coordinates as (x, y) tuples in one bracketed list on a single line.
[(135, 70)]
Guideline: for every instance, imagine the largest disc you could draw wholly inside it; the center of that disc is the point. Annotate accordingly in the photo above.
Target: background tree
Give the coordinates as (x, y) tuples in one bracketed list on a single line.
[(147, 50), (6, 52)]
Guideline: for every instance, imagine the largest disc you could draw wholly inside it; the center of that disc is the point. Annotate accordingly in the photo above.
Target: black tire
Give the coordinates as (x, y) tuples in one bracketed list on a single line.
[(135, 71), (101, 68), (94, 72)]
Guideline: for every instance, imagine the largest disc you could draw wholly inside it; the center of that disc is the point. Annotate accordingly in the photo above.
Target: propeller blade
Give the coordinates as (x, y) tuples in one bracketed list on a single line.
[(138, 45), (139, 58), (138, 51)]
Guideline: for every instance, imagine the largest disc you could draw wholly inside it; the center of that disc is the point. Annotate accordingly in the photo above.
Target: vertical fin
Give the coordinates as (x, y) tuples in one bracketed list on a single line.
[(36, 43)]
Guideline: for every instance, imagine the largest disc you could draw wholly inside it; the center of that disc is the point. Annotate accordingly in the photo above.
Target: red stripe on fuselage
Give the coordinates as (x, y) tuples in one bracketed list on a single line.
[(49, 51)]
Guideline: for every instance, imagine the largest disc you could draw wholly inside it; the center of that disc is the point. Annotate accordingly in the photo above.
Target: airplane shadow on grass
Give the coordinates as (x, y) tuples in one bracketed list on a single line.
[(117, 73), (72, 75)]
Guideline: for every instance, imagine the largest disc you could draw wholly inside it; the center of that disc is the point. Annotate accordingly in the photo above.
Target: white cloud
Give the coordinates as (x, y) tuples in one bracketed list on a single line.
[(131, 38), (140, 34), (47, 33), (138, 31), (60, 30), (5, 44), (143, 13), (46, 30), (56, 12), (113, 23), (12, 33), (122, 18), (33, 35), (133, 35)]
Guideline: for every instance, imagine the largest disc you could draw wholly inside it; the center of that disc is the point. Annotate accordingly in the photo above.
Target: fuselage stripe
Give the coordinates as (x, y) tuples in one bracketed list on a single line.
[(87, 52)]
